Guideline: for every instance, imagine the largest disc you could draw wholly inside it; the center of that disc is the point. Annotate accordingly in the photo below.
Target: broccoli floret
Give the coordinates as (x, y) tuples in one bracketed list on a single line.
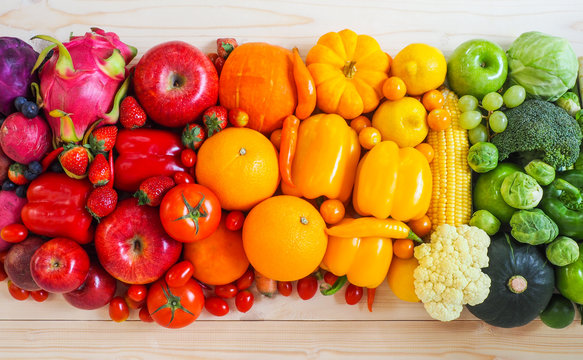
[(540, 130)]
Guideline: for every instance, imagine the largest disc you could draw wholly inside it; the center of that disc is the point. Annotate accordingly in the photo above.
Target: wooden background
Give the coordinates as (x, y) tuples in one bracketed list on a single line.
[(284, 328)]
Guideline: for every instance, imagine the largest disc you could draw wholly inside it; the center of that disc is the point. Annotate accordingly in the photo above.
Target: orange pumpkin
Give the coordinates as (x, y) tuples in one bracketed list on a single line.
[(349, 71), (258, 78)]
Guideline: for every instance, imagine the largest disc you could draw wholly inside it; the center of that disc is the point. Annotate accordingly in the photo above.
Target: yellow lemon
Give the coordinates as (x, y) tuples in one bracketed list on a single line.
[(403, 121), (422, 67)]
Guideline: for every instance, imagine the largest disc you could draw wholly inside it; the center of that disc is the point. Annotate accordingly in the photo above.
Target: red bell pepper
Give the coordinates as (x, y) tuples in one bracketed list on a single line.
[(56, 207), (144, 153)]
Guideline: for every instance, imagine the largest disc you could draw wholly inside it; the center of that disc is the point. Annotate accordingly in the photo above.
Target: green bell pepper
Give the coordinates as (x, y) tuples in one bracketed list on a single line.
[(487, 194), (563, 203)]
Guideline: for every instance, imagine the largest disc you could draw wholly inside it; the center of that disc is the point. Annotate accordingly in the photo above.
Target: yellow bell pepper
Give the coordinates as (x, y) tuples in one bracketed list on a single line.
[(325, 159), (392, 181)]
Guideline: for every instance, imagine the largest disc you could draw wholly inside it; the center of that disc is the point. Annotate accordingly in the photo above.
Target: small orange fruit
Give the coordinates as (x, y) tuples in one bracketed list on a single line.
[(394, 88), (284, 238), (369, 137), (359, 123)]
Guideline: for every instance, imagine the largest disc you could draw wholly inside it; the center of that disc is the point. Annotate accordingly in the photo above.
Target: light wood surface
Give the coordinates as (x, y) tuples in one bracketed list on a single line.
[(284, 328)]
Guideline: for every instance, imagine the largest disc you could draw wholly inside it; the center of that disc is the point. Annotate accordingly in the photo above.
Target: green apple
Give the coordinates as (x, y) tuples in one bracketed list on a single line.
[(477, 67)]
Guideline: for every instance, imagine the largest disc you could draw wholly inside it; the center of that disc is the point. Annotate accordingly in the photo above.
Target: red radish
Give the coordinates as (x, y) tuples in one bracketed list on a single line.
[(25, 140)]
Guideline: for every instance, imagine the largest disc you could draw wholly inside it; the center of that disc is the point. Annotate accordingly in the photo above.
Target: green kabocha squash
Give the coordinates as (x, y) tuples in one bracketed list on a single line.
[(522, 283)]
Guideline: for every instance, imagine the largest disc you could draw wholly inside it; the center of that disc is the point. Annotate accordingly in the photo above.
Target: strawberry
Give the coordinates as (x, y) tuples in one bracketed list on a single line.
[(101, 201), (212, 57), (131, 115), (153, 189), (225, 46), (219, 62), (16, 173), (99, 171), (75, 159), (215, 119), (192, 136), (103, 139)]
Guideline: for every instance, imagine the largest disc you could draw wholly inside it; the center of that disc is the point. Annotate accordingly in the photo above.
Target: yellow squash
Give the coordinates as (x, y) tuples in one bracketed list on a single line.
[(392, 181)]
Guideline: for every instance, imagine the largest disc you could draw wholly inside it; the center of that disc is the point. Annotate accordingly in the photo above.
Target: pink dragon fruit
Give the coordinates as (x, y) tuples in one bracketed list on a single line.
[(83, 82)]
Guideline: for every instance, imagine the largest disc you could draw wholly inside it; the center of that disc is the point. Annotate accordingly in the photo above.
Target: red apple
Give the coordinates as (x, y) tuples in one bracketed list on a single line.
[(17, 263), (175, 82), (132, 245), (60, 265), (97, 290)]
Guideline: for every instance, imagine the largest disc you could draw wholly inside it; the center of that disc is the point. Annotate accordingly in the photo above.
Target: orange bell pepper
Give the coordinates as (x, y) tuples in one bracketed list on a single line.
[(392, 181), (325, 159)]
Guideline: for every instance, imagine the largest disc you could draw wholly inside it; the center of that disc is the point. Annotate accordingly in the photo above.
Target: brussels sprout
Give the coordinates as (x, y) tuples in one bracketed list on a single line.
[(484, 220), (483, 157), (542, 172), (569, 101), (533, 227), (521, 191), (562, 251)]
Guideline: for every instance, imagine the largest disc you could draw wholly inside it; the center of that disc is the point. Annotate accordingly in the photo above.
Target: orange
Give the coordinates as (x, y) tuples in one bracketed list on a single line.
[(218, 259), (240, 166), (403, 121), (422, 67), (284, 238)]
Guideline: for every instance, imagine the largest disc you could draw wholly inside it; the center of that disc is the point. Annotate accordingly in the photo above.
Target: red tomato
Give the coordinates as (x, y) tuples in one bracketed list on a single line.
[(16, 292), (227, 291), (144, 314), (403, 248), (190, 212), (179, 273), (332, 211), (353, 294), (307, 287), (421, 227), (234, 220), (238, 118), (188, 157), (285, 288), (246, 280), (182, 177), (175, 307), (137, 293), (14, 233), (39, 295), (216, 306), (119, 311), (330, 278), (244, 301)]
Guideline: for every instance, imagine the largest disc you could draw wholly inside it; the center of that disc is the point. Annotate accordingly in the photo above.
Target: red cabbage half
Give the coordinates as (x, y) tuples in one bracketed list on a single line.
[(17, 59)]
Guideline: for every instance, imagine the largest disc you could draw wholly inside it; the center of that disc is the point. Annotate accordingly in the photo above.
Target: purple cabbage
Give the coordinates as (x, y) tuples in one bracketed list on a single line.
[(17, 59)]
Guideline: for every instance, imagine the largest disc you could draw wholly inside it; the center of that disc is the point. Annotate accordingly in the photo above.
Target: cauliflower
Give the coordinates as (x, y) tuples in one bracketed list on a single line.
[(449, 274)]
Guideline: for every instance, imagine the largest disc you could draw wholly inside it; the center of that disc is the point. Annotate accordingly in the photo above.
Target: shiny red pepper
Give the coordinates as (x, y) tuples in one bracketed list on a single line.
[(144, 153), (56, 207)]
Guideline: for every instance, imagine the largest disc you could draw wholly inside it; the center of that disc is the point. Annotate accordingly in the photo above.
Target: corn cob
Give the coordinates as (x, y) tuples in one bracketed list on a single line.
[(451, 199)]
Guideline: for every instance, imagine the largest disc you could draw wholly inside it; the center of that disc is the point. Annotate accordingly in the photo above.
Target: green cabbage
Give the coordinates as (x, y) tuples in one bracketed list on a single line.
[(546, 66)]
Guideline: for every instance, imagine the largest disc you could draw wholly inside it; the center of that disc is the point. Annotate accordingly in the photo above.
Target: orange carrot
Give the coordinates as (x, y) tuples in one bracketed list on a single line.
[(305, 87)]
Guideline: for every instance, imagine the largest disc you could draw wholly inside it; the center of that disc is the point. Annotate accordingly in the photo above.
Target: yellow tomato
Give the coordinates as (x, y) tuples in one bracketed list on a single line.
[(403, 121), (400, 278)]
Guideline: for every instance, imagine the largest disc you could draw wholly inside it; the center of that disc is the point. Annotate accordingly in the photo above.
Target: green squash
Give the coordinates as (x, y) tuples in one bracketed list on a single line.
[(522, 284)]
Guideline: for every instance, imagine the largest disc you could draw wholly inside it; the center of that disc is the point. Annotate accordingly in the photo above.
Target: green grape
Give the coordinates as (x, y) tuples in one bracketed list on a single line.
[(470, 119), (478, 134), (514, 96), (467, 103), (498, 121), (492, 101)]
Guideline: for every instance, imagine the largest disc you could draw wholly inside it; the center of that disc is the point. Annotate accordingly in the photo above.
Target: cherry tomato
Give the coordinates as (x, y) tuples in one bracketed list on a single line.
[(332, 211), (421, 227), (226, 291), (133, 304), (3, 274), (190, 212), (39, 295), (179, 273), (238, 118), (426, 150), (182, 177), (369, 137), (359, 123), (188, 157), (330, 278), (307, 287), (16, 292), (119, 311), (14, 233), (438, 119), (234, 220), (144, 314), (285, 288), (175, 307), (246, 280), (394, 88), (433, 99), (275, 138), (353, 294), (137, 293), (216, 306), (244, 301), (403, 248)]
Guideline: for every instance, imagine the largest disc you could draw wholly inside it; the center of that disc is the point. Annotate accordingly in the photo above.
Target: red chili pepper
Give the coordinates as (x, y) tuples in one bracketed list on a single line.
[(287, 147), (144, 153), (370, 293), (56, 207), (52, 156)]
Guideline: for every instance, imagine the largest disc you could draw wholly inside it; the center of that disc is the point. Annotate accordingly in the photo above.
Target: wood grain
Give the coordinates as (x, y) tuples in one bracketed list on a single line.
[(284, 328)]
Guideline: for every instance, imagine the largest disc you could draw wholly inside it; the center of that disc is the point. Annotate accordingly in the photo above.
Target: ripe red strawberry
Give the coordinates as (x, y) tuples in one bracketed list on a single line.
[(212, 57), (99, 171), (193, 136), (131, 115), (75, 159), (103, 139), (101, 201), (153, 189), (215, 119), (219, 62), (16, 173), (225, 46)]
